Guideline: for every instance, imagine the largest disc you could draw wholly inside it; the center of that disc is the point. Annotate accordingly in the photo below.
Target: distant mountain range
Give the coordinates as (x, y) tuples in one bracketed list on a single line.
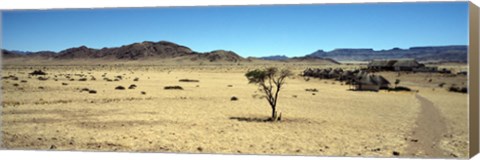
[(457, 53), (275, 57), (135, 51), (167, 50)]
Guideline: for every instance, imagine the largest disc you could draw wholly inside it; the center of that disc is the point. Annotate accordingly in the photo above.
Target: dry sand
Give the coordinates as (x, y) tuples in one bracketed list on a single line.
[(202, 119)]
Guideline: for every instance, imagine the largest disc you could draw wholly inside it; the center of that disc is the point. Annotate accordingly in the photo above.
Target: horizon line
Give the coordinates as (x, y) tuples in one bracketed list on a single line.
[(343, 48)]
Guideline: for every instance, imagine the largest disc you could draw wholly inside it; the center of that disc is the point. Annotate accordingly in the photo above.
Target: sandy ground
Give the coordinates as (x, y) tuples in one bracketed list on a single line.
[(202, 119)]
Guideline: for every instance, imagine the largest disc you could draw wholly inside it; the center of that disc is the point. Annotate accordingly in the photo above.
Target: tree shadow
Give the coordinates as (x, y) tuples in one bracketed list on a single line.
[(249, 119), (284, 121), (360, 90)]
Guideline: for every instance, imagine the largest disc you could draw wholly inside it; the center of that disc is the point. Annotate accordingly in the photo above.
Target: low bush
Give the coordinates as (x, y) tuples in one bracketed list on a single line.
[(120, 88), (173, 87), (188, 80), (311, 90), (458, 89)]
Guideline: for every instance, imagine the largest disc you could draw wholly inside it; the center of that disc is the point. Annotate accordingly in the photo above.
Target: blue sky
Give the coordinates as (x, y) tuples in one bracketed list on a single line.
[(292, 30)]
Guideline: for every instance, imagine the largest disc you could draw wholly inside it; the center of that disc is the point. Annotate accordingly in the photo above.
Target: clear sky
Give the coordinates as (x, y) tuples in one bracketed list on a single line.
[(292, 30)]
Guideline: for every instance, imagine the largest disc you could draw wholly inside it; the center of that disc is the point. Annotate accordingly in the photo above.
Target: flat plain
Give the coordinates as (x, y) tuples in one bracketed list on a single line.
[(60, 114)]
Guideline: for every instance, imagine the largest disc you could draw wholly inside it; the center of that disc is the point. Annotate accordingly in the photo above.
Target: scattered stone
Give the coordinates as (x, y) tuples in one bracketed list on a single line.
[(64, 83), (41, 87), (234, 98), (229, 85), (200, 149), (23, 81), (136, 79), (53, 147), (143, 92), (82, 79), (84, 89)]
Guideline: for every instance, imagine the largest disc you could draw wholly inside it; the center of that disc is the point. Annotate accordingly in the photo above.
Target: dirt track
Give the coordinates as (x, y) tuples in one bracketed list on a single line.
[(430, 128)]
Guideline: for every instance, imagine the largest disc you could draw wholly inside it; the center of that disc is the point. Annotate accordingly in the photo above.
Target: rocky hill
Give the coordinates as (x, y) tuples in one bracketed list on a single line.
[(136, 51)]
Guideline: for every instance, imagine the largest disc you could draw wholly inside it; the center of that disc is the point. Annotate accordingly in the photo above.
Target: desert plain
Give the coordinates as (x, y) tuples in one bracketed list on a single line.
[(59, 113)]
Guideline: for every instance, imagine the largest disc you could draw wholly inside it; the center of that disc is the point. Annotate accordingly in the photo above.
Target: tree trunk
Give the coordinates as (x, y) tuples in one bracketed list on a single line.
[(273, 114)]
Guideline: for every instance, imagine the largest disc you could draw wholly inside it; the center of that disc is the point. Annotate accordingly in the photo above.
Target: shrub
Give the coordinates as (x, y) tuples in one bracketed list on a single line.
[(120, 88), (188, 80), (173, 87), (37, 72), (133, 86), (311, 90), (441, 85), (454, 88)]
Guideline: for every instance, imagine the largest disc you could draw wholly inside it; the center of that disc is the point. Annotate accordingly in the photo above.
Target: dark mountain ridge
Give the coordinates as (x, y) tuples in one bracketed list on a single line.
[(454, 53), (135, 51), (275, 57)]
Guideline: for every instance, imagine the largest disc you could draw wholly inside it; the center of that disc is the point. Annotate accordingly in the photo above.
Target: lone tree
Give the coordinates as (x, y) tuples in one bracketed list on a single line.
[(270, 80)]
